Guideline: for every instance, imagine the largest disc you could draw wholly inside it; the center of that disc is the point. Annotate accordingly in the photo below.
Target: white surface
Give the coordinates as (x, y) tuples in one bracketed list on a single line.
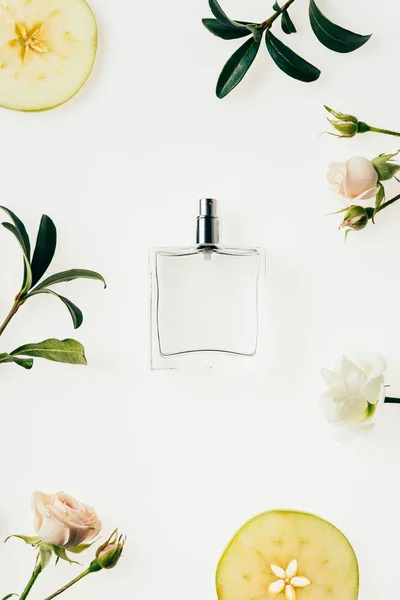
[(179, 462)]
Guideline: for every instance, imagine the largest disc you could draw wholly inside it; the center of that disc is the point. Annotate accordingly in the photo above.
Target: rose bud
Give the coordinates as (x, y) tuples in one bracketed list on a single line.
[(346, 125), (108, 555), (356, 218), (345, 128)]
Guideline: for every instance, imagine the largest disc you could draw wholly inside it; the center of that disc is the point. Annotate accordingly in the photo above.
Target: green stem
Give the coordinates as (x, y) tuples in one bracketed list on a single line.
[(268, 22), (31, 582), (10, 315), (388, 203), (389, 400), (68, 585), (363, 127)]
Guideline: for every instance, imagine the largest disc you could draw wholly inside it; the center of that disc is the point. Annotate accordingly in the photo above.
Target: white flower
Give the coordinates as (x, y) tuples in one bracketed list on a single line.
[(356, 388), (353, 181)]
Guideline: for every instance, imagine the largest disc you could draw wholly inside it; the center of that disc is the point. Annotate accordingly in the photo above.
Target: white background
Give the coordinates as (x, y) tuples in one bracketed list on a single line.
[(179, 461)]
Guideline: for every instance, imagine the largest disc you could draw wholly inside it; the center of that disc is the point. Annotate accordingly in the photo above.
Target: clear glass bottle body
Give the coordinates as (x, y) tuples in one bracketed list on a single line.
[(206, 306)]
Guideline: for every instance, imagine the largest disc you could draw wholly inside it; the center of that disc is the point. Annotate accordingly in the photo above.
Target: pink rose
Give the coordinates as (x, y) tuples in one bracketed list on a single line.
[(353, 180), (62, 521)]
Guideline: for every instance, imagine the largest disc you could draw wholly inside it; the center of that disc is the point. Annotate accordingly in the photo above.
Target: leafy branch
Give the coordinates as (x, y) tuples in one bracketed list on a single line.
[(332, 36), (35, 267)]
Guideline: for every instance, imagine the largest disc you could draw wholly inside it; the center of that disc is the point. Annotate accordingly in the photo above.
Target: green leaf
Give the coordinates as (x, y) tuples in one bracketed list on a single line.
[(5, 358), (370, 212), (81, 548), (45, 553), (74, 311), (25, 242), (70, 276), (276, 7), (332, 36), (61, 554), (237, 67), (379, 199), (26, 363), (226, 32), (20, 233), (288, 61), (337, 212), (9, 596), (27, 281), (287, 24), (30, 540), (14, 231), (385, 169), (65, 351), (346, 233), (44, 250), (256, 30), (341, 116), (221, 16)]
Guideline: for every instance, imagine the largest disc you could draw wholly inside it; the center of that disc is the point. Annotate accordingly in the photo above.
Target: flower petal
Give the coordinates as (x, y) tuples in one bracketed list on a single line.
[(348, 369), (373, 366), (333, 380), (280, 573), (367, 195), (291, 571), (53, 532), (290, 593), (371, 363), (336, 175), (277, 587), (300, 582), (361, 177), (352, 410), (372, 389)]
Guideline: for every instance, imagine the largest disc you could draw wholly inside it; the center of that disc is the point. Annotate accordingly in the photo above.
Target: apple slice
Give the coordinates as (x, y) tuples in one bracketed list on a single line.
[(47, 51), (287, 555)]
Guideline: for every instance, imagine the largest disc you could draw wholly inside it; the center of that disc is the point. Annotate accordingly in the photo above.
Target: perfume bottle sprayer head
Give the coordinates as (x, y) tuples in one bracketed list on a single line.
[(208, 228)]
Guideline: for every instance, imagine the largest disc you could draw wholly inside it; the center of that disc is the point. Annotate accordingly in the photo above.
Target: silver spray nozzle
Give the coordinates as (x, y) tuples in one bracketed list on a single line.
[(208, 222)]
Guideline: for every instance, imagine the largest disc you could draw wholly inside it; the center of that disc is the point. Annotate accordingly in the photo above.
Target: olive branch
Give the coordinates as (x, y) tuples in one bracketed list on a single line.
[(35, 266), (332, 36)]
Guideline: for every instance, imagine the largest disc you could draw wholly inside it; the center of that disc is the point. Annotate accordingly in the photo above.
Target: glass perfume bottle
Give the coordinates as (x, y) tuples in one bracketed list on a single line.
[(206, 301)]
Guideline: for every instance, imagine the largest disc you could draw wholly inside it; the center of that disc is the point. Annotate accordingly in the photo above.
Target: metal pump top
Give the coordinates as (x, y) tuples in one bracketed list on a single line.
[(208, 228)]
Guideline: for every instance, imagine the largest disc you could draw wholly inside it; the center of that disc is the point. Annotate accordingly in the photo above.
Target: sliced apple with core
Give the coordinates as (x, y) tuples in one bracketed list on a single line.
[(47, 51), (288, 555)]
